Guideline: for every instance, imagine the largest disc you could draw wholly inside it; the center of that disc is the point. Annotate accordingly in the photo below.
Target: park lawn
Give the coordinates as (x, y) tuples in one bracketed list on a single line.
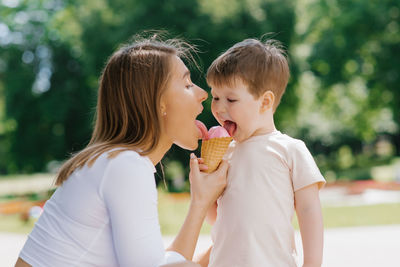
[(173, 208), (172, 211), (13, 224), (367, 215)]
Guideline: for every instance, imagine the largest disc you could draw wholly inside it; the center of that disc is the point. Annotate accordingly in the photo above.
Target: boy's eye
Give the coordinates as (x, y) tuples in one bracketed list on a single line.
[(189, 86), (215, 99), (231, 100)]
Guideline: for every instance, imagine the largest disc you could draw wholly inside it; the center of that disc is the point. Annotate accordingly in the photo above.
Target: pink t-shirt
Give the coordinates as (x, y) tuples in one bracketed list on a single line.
[(254, 222)]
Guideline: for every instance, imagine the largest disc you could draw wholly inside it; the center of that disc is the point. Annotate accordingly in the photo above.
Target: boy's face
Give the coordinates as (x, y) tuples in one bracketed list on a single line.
[(237, 110)]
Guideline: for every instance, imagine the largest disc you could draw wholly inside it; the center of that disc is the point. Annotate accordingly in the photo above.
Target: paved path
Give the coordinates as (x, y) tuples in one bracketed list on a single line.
[(344, 247)]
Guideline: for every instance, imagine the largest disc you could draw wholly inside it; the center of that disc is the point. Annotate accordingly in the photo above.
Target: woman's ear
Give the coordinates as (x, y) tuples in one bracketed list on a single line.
[(268, 99), (163, 106)]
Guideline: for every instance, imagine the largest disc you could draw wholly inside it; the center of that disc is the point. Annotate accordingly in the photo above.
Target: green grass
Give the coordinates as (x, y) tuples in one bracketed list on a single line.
[(26, 176), (172, 212), (13, 223), (173, 209), (361, 215)]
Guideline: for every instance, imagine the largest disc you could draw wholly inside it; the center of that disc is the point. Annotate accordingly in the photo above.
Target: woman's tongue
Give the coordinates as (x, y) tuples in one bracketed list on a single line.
[(230, 127), (203, 132)]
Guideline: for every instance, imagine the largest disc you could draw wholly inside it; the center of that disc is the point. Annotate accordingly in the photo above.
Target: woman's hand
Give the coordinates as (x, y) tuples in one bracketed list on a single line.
[(205, 188)]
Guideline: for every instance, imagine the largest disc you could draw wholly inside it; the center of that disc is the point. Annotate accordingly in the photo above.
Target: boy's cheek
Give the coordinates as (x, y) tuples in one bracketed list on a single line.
[(213, 111)]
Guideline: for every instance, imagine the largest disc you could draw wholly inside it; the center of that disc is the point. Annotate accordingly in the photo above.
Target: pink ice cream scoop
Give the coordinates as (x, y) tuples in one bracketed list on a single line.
[(214, 132), (214, 144), (217, 131)]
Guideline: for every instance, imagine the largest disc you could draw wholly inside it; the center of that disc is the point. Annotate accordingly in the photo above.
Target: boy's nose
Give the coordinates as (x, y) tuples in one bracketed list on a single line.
[(219, 109)]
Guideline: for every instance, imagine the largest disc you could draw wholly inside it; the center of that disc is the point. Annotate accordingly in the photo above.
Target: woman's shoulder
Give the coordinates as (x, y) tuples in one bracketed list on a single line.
[(126, 169), (128, 159)]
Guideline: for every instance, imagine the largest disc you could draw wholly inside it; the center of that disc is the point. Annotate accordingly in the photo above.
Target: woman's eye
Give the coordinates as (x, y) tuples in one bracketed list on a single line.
[(189, 86), (231, 100)]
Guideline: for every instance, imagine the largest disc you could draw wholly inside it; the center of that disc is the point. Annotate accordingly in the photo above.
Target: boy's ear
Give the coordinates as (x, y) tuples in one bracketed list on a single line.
[(268, 99)]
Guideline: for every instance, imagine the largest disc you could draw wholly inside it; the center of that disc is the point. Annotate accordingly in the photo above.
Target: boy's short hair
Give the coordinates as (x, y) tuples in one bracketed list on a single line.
[(261, 66)]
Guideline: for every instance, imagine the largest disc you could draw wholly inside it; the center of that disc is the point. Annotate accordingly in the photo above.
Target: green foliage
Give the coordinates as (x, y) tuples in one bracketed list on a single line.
[(341, 97), (348, 54), (354, 50), (49, 76), (44, 90)]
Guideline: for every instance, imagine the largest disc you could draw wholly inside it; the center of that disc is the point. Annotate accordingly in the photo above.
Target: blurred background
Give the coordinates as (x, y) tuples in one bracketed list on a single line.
[(343, 98)]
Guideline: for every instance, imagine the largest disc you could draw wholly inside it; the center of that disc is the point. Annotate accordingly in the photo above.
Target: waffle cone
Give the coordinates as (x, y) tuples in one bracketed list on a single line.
[(213, 150)]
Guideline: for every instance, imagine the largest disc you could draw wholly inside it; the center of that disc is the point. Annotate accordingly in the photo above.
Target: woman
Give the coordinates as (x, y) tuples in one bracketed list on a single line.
[(104, 212)]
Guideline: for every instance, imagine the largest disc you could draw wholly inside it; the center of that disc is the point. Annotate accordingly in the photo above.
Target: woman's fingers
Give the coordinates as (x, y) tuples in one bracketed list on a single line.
[(220, 176), (222, 171), (203, 167), (194, 167), (223, 167), (200, 163), (194, 163), (205, 188)]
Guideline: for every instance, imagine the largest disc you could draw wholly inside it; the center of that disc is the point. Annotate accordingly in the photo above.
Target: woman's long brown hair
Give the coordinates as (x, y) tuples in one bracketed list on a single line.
[(127, 112)]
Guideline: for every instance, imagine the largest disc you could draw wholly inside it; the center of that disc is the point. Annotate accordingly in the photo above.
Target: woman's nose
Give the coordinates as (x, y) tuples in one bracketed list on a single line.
[(202, 94)]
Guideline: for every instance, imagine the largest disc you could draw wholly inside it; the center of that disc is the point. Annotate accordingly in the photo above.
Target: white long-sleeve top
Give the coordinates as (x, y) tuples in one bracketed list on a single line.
[(105, 215)]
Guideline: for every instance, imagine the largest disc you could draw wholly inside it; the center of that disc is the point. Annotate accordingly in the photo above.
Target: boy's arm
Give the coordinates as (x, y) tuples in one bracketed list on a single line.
[(309, 214), (204, 258)]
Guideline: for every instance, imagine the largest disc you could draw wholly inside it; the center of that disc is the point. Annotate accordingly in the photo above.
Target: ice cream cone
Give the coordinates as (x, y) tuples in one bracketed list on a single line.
[(213, 150)]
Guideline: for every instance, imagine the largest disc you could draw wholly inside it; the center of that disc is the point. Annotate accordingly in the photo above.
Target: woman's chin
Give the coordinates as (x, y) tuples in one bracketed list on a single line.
[(193, 146), (189, 145)]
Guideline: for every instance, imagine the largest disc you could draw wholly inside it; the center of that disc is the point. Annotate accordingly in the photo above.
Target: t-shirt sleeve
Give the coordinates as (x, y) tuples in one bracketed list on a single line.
[(130, 195), (304, 170)]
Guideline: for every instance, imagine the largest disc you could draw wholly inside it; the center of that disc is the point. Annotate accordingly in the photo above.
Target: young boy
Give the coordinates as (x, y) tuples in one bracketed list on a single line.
[(271, 174)]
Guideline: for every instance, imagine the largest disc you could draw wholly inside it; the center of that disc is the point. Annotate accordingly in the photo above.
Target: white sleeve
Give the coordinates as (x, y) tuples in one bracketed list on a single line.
[(173, 257), (304, 169), (130, 194)]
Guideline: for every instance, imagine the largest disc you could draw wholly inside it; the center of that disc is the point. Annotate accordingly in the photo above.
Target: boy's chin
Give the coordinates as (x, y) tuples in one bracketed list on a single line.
[(240, 137), (237, 138)]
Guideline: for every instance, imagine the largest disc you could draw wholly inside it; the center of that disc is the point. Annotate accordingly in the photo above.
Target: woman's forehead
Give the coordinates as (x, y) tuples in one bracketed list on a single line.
[(179, 68)]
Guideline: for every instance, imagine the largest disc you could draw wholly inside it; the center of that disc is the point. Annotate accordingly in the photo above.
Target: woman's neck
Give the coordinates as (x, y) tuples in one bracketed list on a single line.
[(158, 153)]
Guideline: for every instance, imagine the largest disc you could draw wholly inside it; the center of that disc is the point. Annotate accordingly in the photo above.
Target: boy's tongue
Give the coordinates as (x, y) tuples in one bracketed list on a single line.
[(230, 127)]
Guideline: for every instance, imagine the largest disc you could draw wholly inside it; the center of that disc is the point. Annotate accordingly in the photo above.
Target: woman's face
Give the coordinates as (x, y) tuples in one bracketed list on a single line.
[(181, 103)]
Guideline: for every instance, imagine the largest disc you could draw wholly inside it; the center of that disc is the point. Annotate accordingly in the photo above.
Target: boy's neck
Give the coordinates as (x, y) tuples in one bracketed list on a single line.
[(268, 126)]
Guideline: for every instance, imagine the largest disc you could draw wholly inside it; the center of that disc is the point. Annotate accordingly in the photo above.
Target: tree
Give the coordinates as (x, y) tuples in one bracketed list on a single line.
[(56, 50), (354, 56), (44, 89)]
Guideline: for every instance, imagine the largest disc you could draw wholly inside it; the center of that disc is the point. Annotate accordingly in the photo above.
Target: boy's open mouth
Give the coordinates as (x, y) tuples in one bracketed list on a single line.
[(230, 127)]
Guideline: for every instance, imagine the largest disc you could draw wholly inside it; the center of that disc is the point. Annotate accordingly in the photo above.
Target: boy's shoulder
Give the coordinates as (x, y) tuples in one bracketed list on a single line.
[(280, 139), (278, 142)]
